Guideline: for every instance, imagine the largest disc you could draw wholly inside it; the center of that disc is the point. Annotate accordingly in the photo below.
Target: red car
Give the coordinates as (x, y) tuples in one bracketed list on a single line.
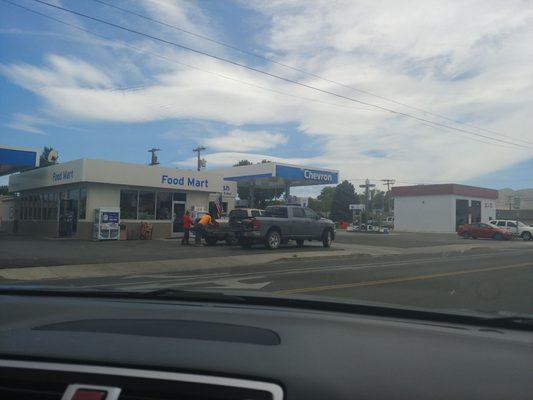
[(481, 230)]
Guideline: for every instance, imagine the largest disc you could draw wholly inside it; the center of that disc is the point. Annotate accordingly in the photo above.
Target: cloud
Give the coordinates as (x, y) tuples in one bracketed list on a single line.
[(246, 140), (469, 61), (61, 72), (27, 123), (226, 159)]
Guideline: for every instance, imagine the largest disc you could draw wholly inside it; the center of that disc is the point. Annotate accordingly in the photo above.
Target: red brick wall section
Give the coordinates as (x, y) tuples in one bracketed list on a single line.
[(445, 189)]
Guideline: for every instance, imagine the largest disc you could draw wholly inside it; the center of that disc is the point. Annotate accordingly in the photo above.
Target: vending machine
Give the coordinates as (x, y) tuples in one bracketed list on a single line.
[(106, 223)]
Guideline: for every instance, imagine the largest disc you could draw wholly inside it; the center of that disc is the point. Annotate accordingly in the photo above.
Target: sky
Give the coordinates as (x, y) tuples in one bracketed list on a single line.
[(465, 65)]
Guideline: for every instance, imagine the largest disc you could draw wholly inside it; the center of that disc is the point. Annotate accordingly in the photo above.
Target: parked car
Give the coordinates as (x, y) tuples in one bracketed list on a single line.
[(515, 227), (280, 224), (481, 230)]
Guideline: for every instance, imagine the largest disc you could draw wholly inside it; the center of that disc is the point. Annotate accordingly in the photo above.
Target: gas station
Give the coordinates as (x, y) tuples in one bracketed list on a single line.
[(66, 199), (274, 175)]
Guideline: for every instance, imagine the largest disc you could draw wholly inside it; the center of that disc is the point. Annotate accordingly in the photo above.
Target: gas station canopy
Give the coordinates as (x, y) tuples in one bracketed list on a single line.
[(16, 159), (277, 175)]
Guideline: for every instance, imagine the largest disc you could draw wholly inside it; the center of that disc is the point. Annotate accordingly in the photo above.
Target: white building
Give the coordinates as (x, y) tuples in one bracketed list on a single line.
[(60, 200), (441, 208)]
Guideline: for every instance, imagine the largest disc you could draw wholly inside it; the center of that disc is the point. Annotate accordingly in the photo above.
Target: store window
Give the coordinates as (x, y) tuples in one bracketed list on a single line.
[(164, 205), (83, 203), (53, 206), (180, 196), (24, 208), (45, 201), (146, 205), (41, 211), (73, 194), (36, 207), (128, 204)]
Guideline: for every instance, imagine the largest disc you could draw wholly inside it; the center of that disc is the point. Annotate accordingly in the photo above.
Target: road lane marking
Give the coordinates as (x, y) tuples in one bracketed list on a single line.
[(201, 278), (399, 280)]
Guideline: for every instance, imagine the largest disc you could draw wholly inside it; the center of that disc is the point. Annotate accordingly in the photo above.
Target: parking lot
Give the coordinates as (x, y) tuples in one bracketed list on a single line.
[(19, 251)]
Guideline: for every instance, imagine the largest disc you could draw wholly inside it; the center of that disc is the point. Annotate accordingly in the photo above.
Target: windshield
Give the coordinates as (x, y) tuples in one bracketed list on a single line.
[(363, 152)]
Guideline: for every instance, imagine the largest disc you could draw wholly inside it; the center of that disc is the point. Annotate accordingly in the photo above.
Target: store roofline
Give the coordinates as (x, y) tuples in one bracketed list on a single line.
[(444, 189)]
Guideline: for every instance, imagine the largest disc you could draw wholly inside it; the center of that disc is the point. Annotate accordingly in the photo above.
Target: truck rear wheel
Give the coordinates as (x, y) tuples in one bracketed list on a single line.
[(300, 242), (327, 239), (231, 240), (211, 240), (273, 240)]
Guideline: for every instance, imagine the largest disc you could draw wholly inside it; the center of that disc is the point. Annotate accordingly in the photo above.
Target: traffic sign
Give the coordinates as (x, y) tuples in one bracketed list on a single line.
[(356, 207)]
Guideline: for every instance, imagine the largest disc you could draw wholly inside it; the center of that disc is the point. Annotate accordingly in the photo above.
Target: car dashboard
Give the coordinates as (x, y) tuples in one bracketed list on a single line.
[(57, 346)]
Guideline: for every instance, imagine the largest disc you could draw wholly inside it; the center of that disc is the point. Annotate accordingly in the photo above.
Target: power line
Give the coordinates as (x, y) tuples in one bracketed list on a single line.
[(154, 54), (271, 60), (406, 115)]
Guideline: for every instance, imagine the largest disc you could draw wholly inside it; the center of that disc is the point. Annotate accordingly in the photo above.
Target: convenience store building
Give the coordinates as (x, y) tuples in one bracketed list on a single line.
[(60, 200), (441, 208)]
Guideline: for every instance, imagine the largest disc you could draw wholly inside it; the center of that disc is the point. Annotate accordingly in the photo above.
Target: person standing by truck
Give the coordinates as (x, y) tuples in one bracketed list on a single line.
[(204, 221), (186, 221)]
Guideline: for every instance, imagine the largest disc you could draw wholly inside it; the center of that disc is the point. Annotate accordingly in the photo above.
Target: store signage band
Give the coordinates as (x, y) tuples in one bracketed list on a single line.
[(318, 176), (62, 176), (181, 181)]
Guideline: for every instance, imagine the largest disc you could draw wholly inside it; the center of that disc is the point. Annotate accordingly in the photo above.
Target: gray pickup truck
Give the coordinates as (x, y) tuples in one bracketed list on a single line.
[(280, 224)]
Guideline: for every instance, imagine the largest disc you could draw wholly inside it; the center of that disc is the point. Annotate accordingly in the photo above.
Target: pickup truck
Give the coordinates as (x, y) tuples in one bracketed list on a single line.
[(280, 224)]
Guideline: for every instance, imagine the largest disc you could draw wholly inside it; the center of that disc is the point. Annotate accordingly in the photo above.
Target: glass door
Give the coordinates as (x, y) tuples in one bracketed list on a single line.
[(178, 209)]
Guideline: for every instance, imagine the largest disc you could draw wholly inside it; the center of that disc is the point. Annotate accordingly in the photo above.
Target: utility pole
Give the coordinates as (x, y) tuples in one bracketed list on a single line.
[(201, 162), (510, 201), (154, 151), (388, 183), (367, 185)]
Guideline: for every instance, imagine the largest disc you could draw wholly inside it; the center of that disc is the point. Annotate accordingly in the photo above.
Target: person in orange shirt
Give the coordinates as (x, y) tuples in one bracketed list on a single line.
[(204, 221)]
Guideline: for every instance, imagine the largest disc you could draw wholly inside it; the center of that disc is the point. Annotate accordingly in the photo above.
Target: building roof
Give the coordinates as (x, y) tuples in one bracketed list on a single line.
[(444, 189), (275, 174), (120, 173)]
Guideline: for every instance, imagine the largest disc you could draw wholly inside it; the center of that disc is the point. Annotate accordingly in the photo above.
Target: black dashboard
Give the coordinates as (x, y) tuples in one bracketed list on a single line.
[(208, 350)]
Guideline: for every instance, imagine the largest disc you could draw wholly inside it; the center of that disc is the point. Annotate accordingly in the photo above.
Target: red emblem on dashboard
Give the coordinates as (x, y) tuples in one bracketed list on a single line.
[(90, 392)]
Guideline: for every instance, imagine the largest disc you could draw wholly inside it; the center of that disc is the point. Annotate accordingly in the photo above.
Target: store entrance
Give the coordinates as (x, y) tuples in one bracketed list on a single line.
[(461, 213), (475, 211), (68, 217), (178, 209)]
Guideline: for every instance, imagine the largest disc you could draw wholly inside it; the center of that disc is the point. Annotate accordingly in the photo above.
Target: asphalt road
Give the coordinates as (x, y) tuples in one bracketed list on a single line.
[(491, 281), (36, 252), (16, 251)]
